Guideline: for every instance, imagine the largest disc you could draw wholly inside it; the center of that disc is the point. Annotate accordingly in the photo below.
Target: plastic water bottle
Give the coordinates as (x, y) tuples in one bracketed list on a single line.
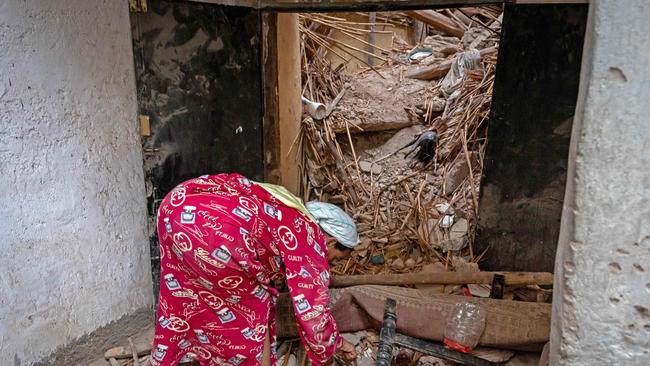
[(465, 327)]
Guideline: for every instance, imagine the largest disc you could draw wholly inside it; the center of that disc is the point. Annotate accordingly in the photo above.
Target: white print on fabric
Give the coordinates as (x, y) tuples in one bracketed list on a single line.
[(233, 299), (159, 353), (288, 238), (230, 282), (203, 255), (301, 303), (242, 213), (211, 300), (304, 273), (318, 250), (222, 254), (174, 324), (188, 293), (189, 357), (200, 335), (202, 353), (171, 282), (237, 359), (182, 241), (205, 283), (168, 225), (260, 292), (184, 343), (188, 216), (248, 204), (225, 315), (270, 210), (316, 312), (177, 196)]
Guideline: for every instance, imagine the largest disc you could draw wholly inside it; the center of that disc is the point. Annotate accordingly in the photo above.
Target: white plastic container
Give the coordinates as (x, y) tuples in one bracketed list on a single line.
[(465, 327)]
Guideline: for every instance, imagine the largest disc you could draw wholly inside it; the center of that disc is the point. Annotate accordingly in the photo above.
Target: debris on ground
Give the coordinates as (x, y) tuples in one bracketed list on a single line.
[(415, 212)]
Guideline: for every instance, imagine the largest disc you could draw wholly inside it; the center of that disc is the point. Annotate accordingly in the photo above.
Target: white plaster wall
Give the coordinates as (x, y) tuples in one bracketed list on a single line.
[(602, 292), (73, 248)]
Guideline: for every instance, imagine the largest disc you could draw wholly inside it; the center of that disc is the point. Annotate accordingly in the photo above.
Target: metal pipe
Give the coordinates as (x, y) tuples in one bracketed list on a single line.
[(316, 110)]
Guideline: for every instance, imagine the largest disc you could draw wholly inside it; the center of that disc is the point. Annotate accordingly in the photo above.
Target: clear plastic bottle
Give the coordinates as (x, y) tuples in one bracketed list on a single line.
[(465, 327)]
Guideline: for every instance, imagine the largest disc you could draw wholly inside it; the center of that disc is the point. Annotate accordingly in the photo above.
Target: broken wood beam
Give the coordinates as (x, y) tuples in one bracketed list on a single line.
[(437, 21), (439, 70), (442, 278)]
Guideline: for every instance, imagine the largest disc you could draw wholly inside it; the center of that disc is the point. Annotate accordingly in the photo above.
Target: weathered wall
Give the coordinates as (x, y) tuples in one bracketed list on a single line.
[(73, 254), (534, 99), (602, 287)]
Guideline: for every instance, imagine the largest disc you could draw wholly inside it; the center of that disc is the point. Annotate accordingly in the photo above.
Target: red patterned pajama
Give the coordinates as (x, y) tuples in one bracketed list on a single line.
[(223, 238)]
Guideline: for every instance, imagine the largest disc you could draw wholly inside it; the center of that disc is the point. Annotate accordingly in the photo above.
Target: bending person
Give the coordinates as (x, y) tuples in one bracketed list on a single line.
[(223, 241)]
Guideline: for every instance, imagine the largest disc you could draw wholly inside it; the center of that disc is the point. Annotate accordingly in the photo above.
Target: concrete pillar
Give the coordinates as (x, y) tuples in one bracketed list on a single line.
[(602, 292)]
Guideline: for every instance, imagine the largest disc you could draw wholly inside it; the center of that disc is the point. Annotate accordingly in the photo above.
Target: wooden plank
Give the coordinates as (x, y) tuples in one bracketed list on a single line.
[(437, 21), (443, 278), (289, 102)]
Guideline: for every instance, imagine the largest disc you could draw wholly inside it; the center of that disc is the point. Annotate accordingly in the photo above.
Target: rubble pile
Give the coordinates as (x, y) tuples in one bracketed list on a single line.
[(410, 213)]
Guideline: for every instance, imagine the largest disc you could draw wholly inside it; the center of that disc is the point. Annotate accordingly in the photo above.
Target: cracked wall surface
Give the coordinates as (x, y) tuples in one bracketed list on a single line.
[(74, 252), (602, 287)]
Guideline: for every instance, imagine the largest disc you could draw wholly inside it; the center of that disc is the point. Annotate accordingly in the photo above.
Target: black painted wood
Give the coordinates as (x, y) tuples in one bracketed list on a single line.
[(535, 92), (198, 74)]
